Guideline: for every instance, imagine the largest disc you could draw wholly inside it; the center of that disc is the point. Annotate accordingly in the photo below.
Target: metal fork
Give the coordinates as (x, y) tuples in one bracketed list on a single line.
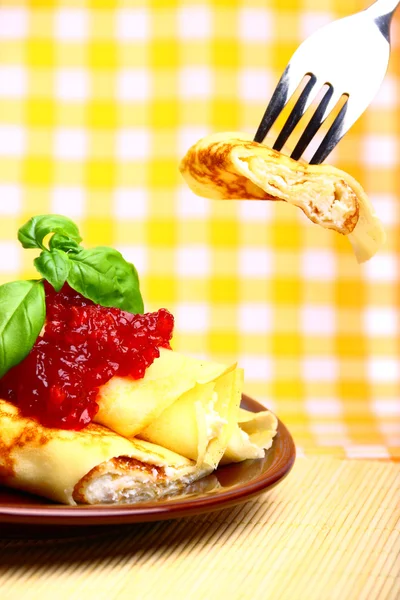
[(349, 57)]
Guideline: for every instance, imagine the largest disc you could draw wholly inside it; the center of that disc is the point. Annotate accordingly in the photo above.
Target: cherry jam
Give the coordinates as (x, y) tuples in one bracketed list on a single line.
[(82, 347)]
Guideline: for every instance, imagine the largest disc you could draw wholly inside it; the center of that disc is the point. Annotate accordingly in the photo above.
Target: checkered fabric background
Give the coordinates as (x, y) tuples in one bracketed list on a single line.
[(99, 100)]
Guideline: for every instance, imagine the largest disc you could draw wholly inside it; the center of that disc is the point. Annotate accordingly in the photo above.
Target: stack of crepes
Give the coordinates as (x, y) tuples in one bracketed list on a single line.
[(151, 437)]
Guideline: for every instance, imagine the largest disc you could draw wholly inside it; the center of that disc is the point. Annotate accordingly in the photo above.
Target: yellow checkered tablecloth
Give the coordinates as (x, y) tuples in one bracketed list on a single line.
[(99, 100)]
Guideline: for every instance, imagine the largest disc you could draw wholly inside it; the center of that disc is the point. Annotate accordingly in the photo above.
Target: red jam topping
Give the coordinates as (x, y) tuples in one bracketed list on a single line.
[(83, 346)]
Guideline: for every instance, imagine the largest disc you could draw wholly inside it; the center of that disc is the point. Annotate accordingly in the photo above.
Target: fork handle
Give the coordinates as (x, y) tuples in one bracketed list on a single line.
[(381, 8)]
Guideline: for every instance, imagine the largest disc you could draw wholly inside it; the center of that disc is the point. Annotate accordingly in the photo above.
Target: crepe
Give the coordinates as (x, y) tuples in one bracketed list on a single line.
[(252, 435), (190, 407), (90, 466), (184, 404), (152, 437), (232, 166)]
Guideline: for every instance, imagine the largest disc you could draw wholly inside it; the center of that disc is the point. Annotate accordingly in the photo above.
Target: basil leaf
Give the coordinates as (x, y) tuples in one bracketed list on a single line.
[(22, 316), (62, 242), (53, 266), (105, 277), (32, 234), (128, 281)]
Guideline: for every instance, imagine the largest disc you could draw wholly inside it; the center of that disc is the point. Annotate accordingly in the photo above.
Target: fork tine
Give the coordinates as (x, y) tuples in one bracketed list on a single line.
[(313, 126), (275, 106), (295, 115), (332, 137)]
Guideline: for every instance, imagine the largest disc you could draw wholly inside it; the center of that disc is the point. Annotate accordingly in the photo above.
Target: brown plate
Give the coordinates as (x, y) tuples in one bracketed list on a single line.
[(26, 516)]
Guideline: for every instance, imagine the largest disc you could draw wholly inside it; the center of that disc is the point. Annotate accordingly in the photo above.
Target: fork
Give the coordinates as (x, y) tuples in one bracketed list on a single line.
[(348, 57)]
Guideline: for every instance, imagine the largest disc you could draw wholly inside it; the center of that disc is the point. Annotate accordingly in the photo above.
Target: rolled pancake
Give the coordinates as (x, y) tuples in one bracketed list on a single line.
[(90, 466), (201, 422), (185, 404), (252, 435), (231, 166)]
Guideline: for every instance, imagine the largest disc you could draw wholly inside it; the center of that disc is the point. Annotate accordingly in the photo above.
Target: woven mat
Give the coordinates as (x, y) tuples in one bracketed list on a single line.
[(329, 531)]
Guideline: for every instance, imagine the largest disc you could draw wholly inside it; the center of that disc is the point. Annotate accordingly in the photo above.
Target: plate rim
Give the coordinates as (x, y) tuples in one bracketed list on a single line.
[(60, 514)]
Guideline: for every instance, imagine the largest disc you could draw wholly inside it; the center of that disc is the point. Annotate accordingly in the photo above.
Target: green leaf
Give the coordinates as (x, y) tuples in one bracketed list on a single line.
[(32, 234), (22, 316), (62, 242), (53, 266), (104, 276), (128, 282)]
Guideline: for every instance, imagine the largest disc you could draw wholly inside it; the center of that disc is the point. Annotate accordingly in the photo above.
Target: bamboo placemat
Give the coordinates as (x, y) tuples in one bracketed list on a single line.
[(329, 531)]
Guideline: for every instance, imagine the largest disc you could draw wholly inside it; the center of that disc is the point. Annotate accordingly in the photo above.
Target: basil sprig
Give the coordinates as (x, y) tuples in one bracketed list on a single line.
[(32, 234), (100, 274), (104, 276), (23, 311)]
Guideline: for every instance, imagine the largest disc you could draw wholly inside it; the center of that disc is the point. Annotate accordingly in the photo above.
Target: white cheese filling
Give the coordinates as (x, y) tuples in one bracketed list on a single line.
[(112, 487)]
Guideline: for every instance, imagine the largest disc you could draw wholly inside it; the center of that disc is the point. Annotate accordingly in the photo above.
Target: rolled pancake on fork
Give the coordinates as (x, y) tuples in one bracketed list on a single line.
[(231, 166), (91, 466), (185, 404)]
